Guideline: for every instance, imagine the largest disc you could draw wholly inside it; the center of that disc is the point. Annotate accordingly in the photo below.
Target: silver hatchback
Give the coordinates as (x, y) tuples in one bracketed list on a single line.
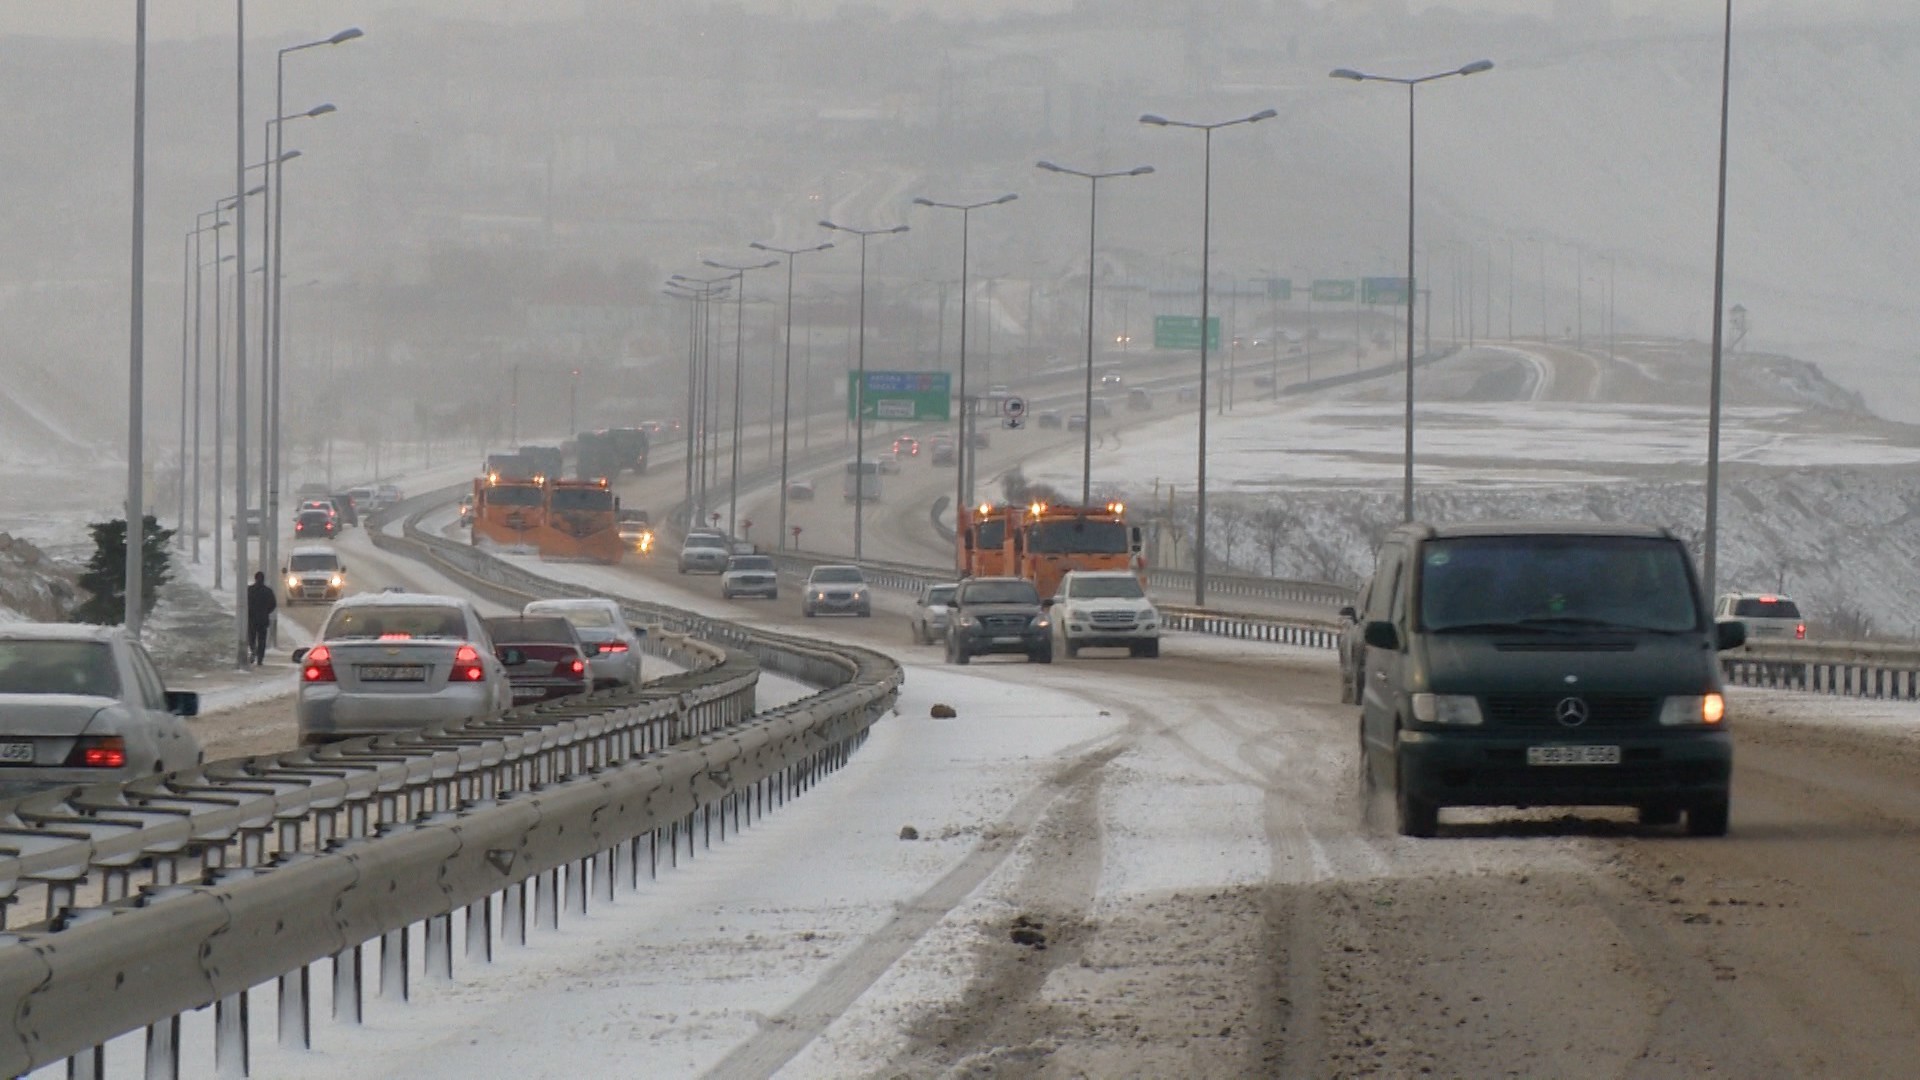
[(396, 662), (85, 705)]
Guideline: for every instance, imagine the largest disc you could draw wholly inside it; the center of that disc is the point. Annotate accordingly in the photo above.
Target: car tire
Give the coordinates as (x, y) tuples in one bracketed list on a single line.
[(806, 611), (866, 613), (1147, 649), (1659, 815), (1044, 656), (1414, 816), (957, 654), (1709, 818), (774, 595)]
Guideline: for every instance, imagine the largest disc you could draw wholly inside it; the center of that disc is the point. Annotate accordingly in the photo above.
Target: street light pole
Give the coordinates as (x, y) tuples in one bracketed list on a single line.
[(200, 228), (1406, 496), (1093, 227), (786, 376), (1206, 240), (704, 290), (739, 273), (963, 444), (136, 358), (240, 337), (860, 385), (1710, 538)]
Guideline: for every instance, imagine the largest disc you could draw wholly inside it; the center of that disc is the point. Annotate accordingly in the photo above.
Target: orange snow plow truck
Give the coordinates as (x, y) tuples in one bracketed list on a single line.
[(1041, 542), (581, 522)]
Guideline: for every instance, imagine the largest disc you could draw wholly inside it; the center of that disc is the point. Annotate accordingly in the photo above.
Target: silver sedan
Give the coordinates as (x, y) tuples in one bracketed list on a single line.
[(396, 662), (85, 705), (613, 646)]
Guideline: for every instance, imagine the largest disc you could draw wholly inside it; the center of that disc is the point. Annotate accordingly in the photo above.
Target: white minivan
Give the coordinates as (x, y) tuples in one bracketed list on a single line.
[(1106, 609)]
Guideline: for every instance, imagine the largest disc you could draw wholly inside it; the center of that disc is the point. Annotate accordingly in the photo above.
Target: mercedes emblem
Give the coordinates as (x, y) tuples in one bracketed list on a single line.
[(1571, 712)]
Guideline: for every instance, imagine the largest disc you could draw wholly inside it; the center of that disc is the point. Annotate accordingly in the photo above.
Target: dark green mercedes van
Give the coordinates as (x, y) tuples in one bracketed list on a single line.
[(1543, 664)]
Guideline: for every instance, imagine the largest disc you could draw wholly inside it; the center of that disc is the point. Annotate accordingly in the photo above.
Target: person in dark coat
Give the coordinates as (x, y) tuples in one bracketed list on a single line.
[(261, 604)]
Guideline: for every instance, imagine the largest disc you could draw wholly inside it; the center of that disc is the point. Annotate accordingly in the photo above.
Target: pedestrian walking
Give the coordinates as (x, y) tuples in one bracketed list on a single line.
[(261, 604)]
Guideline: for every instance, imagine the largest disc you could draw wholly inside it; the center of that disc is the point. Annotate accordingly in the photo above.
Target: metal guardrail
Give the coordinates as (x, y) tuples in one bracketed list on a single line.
[(1848, 669), (173, 893)]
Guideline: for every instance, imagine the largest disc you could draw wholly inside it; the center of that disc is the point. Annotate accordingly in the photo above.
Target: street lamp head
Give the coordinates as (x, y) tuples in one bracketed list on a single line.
[(1154, 119), (1007, 198), (1263, 114), (922, 200), (825, 224), (1049, 166), (288, 156), (346, 35), (1347, 73), (320, 110), (896, 229), (1140, 170), (1477, 67), (715, 265)]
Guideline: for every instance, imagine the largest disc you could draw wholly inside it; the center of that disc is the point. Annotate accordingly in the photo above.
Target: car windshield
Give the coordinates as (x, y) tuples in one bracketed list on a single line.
[(1079, 536), (312, 562), (750, 562), (1765, 607), (58, 667), (529, 630), (582, 618), (1510, 582), (838, 575), (706, 540), (1118, 587), (395, 621), (1000, 592), (941, 595)]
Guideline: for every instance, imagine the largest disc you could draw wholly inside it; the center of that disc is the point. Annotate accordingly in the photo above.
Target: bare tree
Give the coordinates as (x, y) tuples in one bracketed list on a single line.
[(1273, 527)]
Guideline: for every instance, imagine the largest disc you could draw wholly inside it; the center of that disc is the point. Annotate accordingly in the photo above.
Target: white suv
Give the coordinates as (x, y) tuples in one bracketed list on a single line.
[(1106, 608), (1769, 616)]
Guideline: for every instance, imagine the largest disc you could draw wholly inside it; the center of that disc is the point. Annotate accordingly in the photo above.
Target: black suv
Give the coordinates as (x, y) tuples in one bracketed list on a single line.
[(1543, 665), (998, 615)]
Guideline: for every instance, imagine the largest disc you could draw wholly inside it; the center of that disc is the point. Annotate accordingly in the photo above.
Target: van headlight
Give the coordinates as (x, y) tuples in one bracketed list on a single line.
[(1458, 709), (293, 581), (1693, 709), (337, 580)]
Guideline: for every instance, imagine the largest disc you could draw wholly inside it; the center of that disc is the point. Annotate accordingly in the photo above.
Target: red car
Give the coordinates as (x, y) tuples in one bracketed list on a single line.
[(543, 656)]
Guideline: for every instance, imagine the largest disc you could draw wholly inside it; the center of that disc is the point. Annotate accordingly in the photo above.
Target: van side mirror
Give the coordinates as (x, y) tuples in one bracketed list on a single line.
[(1730, 634), (1381, 634), (1135, 543)]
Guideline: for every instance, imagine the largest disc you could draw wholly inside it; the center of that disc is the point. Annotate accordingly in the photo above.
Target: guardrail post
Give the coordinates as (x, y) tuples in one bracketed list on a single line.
[(88, 1064), (346, 985), (513, 913), (393, 964), (163, 1049), (480, 930), (577, 875), (296, 1032), (546, 900), (230, 1035), (440, 946), (609, 862)]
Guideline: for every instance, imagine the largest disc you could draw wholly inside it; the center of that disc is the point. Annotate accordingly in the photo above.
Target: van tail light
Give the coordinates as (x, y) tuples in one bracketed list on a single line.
[(1800, 631), (98, 752), (466, 665), (319, 666)]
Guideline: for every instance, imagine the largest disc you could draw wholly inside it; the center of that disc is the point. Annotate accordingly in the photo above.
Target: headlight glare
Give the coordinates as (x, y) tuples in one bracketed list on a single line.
[(1693, 709)]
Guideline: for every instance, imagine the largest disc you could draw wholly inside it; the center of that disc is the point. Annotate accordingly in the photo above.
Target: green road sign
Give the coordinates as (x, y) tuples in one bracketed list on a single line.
[(903, 395), (1183, 332), (1384, 290), (1279, 288), (1333, 290)]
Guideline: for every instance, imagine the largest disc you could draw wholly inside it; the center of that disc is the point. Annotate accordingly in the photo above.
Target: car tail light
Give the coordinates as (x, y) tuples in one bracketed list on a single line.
[(613, 646), (466, 665), (1800, 631), (98, 752), (575, 667), (319, 666), (396, 635)]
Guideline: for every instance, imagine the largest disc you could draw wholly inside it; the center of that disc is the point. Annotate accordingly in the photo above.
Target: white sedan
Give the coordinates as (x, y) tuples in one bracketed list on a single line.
[(85, 705)]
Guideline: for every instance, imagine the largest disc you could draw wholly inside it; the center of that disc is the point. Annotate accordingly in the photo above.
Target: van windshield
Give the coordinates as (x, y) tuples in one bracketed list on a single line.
[(1502, 582), (312, 562)]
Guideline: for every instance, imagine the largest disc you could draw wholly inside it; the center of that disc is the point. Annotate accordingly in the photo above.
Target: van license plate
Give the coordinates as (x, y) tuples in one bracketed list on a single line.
[(16, 752), (1573, 755)]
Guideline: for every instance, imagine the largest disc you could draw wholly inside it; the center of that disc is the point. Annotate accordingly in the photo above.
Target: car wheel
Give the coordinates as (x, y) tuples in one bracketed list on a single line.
[(957, 653), (807, 611), (1659, 815), (1044, 656), (1417, 816), (1708, 818), (774, 595), (866, 613)]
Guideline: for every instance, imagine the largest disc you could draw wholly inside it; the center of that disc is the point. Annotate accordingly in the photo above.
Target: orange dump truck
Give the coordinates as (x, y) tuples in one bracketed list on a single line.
[(581, 522)]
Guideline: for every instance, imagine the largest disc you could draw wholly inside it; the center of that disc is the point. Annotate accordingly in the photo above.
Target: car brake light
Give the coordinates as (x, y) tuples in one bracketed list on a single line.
[(466, 665), (613, 646), (396, 635), (319, 667), (570, 667), (98, 752)]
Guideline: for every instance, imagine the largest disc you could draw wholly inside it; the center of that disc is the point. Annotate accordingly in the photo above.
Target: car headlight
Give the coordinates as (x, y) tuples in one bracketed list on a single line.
[(1460, 709), (293, 581), (337, 580), (819, 595), (1040, 622), (965, 620), (1693, 709)]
